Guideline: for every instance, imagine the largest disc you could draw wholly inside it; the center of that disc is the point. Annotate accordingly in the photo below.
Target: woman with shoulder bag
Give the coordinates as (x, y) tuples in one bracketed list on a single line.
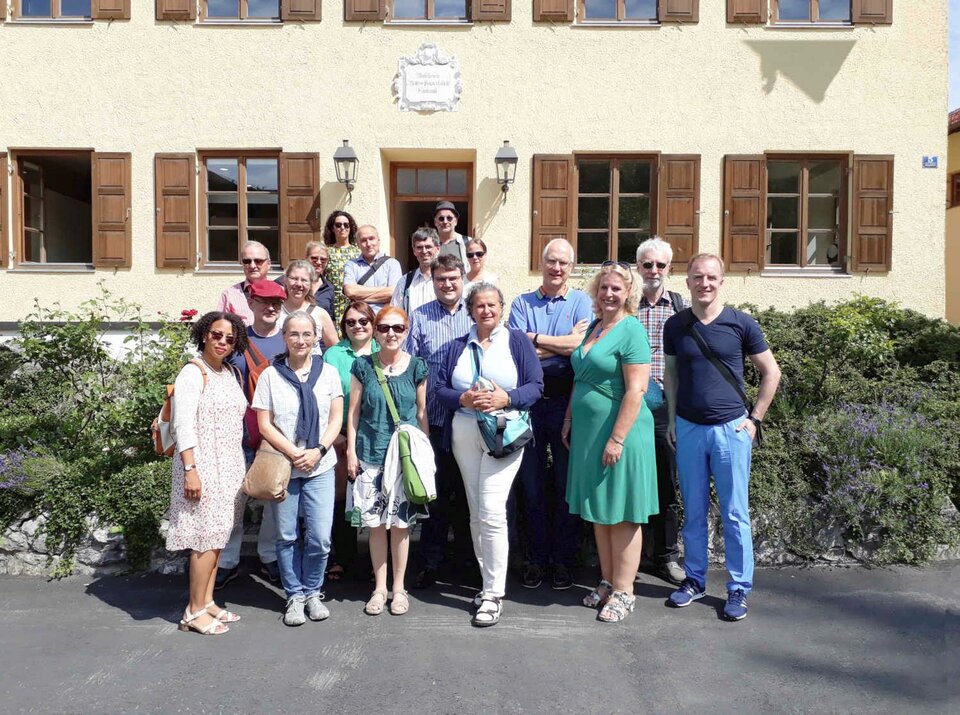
[(299, 405), (369, 429), (493, 370)]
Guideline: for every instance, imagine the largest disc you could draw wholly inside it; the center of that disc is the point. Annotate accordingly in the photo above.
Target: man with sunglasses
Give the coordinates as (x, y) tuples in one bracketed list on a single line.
[(445, 218), (416, 287), (661, 534), (433, 329), (255, 259), (371, 276)]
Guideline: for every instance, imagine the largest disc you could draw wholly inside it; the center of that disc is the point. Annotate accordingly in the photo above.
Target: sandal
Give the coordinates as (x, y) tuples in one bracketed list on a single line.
[(617, 607), (224, 616), (488, 614), (213, 628), (376, 603), (598, 596), (400, 603)]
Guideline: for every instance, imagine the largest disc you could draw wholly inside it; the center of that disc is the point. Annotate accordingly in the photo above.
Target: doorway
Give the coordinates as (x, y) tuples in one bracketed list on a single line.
[(415, 188)]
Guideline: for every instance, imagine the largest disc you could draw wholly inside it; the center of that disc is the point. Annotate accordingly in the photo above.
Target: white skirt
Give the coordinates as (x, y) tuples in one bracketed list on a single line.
[(367, 504)]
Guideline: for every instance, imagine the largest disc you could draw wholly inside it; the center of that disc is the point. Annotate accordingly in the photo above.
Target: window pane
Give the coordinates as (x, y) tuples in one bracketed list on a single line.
[(223, 210), (822, 248), (457, 181), (634, 212), (32, 179), (223, 8), (794, 9), (594, 177), (269, 238), (593, 247), (410, 9), (835, 10), (222, 175), (600, 9), (593, 212), (262, 175), (783, 177), (222, 245), (823, 212), (32, 212), (75, 8), (641, 9), (783, 249), (627, 243), (263, 210), (431, 181), (450, 9), (825, 177), (635, 177), (406, 181), (36, 8), (783, 212), (33, 241), (263, 8)]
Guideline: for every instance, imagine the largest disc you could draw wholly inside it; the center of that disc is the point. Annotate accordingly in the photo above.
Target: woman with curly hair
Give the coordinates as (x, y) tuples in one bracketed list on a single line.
[(340, 235), (208, 468)]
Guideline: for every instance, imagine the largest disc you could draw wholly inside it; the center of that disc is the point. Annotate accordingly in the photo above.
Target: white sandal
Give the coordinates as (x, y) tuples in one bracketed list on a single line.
[(213, 628), (224, 616), (595, 599), (489, 613)]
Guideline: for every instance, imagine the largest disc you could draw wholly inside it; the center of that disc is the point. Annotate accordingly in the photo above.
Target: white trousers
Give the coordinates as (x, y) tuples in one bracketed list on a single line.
[(266, 541), (487, 482)]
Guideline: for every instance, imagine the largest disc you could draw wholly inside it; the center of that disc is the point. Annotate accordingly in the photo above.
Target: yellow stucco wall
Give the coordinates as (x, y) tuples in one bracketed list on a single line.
[(952, 252), (708, 89)]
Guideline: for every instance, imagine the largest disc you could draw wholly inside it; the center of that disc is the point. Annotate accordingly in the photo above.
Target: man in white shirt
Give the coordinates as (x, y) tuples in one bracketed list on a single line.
[(416, 287)]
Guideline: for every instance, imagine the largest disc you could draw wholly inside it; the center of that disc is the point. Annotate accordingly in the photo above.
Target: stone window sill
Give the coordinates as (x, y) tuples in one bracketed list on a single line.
[(52, 268)]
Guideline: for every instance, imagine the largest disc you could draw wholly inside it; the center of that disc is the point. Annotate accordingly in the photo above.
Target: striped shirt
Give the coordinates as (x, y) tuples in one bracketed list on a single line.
[(433, 329), (653, 317)]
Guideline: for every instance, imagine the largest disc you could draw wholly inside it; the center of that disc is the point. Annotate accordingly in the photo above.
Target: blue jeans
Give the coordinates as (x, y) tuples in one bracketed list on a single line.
[(719, 450), (302, 566)]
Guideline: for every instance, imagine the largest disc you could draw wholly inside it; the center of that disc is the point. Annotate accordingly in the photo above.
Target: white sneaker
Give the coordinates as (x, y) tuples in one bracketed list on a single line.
[(294, 614), (316, 610)]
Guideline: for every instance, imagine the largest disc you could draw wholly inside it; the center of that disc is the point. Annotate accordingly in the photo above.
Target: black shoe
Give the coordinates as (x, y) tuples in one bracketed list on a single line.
[(425, 579), (225, 576), (270, 571), (562, 580), (532, 576)]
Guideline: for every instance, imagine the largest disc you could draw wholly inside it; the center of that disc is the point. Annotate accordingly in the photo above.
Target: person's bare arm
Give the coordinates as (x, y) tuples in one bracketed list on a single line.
[(422, 408), (636, 378), (769, 371), (353, 422), (355, 291), (563, 345), (328, 331), (670, 394)]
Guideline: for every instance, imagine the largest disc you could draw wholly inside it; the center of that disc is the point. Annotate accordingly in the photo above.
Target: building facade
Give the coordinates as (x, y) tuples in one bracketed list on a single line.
[(144, 141), (952, 247)]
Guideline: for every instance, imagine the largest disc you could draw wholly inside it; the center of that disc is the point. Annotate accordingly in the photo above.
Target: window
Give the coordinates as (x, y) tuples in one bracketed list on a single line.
[(432, 10), (812, 11), (618, 10), (242, 204), (56, 208), (55, 9), (953, 199), (803, 213), (613, 208), (256, 10)]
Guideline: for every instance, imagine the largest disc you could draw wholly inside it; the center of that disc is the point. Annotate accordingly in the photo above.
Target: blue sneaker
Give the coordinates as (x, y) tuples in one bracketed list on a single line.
[(736, 608), (688, 592)]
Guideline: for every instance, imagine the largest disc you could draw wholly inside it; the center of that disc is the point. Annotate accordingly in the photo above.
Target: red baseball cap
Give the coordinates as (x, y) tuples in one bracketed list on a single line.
[(267, 290)]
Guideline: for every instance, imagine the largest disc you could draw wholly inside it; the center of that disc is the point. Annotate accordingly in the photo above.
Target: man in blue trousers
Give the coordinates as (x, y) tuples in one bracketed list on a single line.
[(714, 426)]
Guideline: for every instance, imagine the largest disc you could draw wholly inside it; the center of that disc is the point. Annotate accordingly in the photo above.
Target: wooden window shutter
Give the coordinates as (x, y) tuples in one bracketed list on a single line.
[(873, 12), (176, 9), (872, 213), (552, 11), (364, 10), (3, 16), (299, 204), (175, 186), (303, 10), (678, 212), (678, 11), (490, 10), (110, 9), (4, 247), (112, 188), (749, 12), (554, 194), (744, 212)]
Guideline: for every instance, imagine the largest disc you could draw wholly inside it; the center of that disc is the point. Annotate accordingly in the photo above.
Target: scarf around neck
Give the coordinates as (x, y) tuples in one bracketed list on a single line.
[(308, 418)]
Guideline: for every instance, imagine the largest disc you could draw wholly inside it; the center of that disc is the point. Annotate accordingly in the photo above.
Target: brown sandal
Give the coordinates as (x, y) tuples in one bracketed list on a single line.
[(376, 603), (400, 603)]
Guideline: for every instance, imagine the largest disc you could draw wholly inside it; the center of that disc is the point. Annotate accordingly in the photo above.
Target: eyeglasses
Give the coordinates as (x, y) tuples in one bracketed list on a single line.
[(446, 279), (650, 264), (446, 219), (249, 261), (557, 262), (306, 337), (476, 254), (217, 336), (383, 329), (362, 322), (340, 224)]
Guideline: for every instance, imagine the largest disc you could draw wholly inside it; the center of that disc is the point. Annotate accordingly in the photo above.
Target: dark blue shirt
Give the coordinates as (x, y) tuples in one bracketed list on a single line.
[(703, 395), (270, 347)]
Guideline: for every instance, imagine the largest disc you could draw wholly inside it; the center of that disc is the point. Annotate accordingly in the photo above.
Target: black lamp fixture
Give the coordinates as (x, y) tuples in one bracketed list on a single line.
[(506, 161), (346, 162)]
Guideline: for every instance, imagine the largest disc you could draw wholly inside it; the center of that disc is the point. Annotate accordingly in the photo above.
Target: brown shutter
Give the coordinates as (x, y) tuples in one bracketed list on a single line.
[(303, 10), (490, 10), (678, 214), (3, 16), (299, 204), (552, 11), (175, 182), (176, 10), (678, 11), (750, 12), (553, 198), (111, 210), (744, 212), (4, 246), (873, 12), (872, 217), (364, 10), (110, 9)]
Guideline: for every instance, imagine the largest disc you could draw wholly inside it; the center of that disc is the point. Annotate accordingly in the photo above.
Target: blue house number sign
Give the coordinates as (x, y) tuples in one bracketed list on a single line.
[(929, 162)]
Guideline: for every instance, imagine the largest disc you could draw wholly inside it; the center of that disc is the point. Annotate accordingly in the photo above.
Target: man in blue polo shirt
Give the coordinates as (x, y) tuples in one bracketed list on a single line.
[(371, 276), (713, 427), (555, 318)]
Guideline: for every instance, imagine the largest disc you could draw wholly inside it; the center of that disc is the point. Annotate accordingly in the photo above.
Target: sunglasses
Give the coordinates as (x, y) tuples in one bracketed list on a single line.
[(383, 329), (217, 336), (476, 254), (339, 224), (354, 322), (446, 219), (650, 264), (250, 261), (625, 266)]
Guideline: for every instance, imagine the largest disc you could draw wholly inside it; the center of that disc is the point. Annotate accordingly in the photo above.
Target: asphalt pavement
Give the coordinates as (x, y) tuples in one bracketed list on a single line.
[(816, 640)]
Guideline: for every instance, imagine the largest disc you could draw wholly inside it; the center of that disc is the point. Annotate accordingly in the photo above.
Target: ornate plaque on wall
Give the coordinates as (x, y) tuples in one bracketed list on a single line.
[(429, 81)]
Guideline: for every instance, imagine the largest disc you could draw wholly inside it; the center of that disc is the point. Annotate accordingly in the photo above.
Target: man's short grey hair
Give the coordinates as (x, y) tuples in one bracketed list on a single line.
[(254, 244), (425, 234), (655, 244), (565, 243)]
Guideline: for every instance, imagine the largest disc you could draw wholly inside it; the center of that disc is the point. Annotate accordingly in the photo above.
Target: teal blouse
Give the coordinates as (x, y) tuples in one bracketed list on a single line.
[(342, 357)]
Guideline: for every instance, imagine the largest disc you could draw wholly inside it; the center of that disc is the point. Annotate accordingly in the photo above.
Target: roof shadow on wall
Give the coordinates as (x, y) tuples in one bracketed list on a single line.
[(810, 65)]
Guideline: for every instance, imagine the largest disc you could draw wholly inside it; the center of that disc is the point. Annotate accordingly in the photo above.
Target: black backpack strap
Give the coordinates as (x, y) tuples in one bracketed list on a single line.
[(676, 300), (407, 282), (691, 329), (374, 267)]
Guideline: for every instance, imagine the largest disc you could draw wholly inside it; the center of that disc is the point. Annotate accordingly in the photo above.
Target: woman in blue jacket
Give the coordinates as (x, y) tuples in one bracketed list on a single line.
[(508, 377)]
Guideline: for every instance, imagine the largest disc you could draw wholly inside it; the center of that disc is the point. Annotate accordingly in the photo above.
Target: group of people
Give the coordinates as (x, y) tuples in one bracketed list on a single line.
[(627, 391)]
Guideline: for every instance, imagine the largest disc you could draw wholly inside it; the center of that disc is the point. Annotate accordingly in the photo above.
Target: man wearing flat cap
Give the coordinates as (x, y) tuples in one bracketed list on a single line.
[(445, 217)]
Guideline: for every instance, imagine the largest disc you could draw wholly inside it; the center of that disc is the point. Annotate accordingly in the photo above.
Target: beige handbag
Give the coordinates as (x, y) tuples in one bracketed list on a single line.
[(269, 475)]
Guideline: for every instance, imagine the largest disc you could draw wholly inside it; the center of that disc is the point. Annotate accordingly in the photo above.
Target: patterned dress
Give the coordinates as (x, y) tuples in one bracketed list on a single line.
[(210, 420), (339, 257)]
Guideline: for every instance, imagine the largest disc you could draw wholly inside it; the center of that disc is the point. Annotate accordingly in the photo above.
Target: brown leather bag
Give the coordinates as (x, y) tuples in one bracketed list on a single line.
[(269, 475)]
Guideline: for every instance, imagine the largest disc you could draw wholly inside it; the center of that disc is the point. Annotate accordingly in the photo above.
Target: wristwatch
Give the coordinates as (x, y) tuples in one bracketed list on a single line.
[(189, 467), (536, 340), (757, 422), (323, 451)]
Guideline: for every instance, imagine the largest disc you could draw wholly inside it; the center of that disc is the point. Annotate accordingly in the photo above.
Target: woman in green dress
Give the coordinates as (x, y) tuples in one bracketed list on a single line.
[(340, 235), (612, 477)]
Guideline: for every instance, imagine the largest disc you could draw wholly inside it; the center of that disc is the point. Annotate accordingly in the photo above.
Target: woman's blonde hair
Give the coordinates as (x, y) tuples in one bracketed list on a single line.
[(632, 302)]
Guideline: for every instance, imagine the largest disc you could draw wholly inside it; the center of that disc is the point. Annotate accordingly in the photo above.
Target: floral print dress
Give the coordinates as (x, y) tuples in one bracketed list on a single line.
[(339, 257)]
